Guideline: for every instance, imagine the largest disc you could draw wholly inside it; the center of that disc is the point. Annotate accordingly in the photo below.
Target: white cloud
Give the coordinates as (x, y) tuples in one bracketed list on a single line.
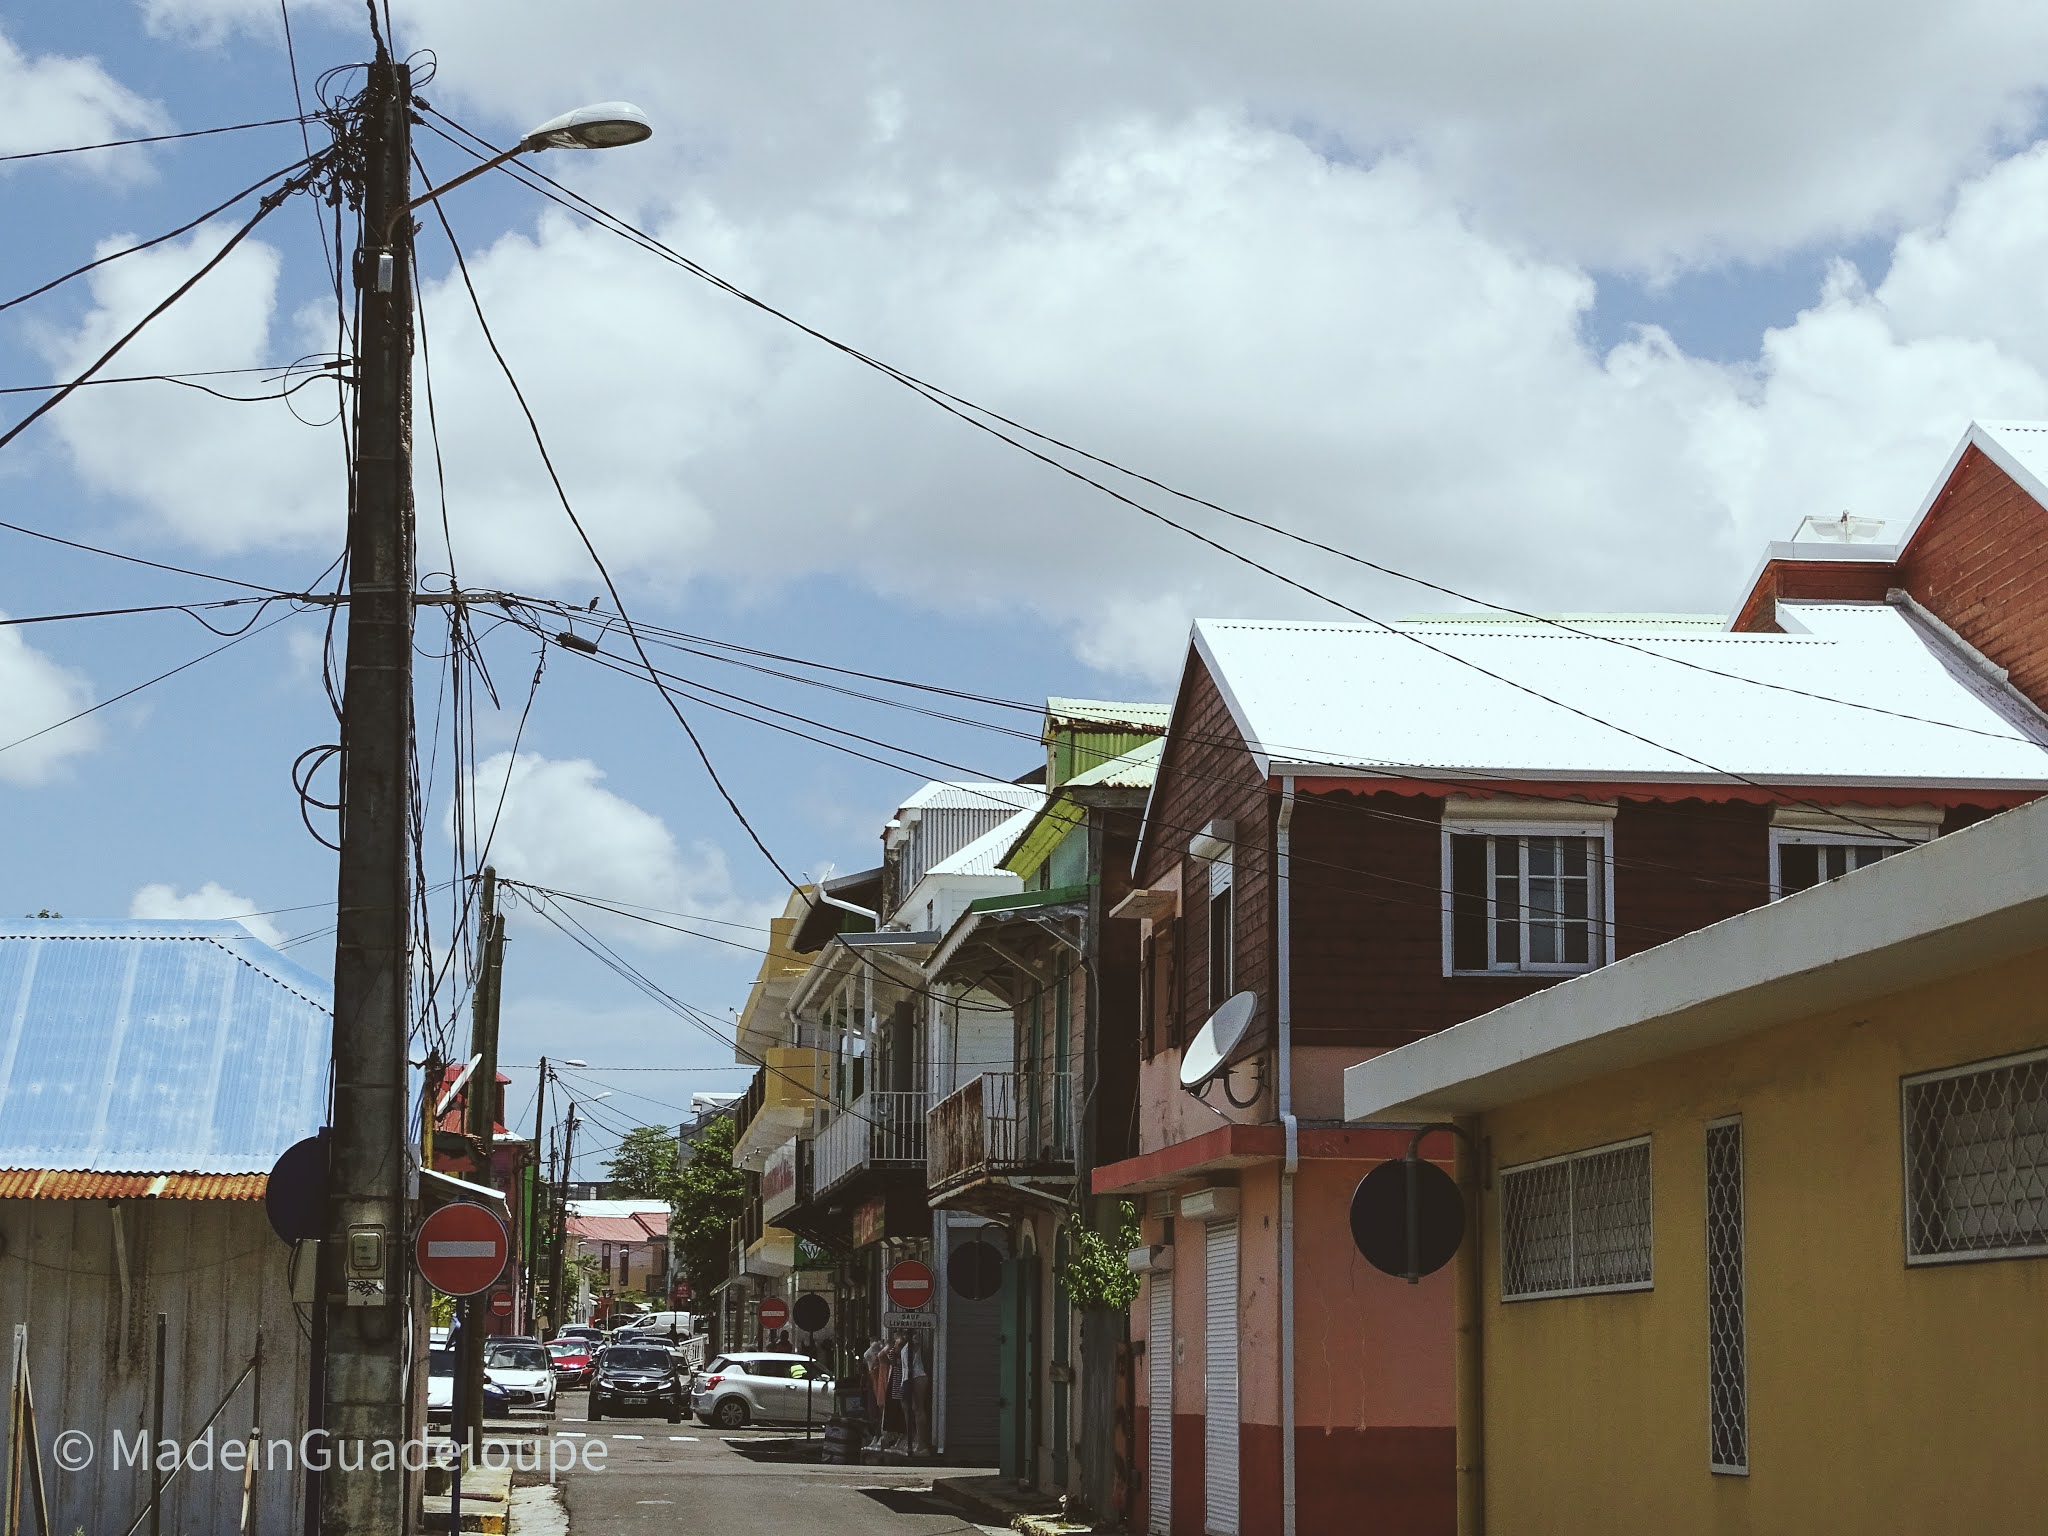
[(36, 693), (1356, 348), (54, 102), (561, 828), (210, 901)]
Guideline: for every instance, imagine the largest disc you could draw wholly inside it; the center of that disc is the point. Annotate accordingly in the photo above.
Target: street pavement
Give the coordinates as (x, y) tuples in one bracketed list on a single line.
[(690, 1479)]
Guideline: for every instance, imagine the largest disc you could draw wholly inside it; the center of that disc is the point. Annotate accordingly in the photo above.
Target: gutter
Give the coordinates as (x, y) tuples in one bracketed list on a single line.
[(1284, 1030)]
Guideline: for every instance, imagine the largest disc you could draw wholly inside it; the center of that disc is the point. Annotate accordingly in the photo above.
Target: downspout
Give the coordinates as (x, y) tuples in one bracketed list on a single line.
[(1283, 1013), (845, 906)]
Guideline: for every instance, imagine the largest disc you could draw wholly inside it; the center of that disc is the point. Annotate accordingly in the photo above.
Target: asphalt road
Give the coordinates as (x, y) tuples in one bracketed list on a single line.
[(691, 1480)]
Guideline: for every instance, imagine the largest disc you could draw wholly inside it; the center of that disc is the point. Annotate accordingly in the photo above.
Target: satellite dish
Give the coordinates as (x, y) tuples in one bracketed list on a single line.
[(1216, 1042)]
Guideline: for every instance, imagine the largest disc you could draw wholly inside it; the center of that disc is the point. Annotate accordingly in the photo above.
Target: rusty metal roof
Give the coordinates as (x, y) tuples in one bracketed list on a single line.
[(145, 1048), (70, 1184)]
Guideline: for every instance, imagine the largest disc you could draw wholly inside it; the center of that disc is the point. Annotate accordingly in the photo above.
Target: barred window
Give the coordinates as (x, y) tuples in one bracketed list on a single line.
[(1727, 1356), (1577, 1223), (1976, 1148)]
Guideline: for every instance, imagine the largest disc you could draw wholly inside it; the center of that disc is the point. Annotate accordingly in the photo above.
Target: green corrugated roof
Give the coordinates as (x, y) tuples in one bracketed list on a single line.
[(1020, 900)]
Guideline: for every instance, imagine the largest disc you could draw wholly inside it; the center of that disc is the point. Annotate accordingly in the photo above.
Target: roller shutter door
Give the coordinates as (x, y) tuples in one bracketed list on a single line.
[(1219, 1422), (1159, 1403)]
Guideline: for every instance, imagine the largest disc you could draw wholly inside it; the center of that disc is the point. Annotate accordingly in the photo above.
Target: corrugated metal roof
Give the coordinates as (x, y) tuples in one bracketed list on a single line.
[(984, 856), (63, 1184), (156, 1047), (972, 795), (618, 1229), (1357, 696), (1134, 770), (627, 1208), (1144, 717), (1601, 623)]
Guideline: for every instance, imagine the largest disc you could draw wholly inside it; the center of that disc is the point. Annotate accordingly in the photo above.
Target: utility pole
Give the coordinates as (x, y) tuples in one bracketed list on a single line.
[(535, 1185), (365, 1274), (482, 1118), (557, 1300)]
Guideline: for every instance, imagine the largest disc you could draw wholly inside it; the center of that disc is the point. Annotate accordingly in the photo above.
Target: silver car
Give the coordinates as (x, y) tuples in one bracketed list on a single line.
[(751, 1388)]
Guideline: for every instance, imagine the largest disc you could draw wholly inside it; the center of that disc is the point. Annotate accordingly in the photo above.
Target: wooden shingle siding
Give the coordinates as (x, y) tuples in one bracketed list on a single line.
[(1680, 865), (1207, 774), (1980, 564)]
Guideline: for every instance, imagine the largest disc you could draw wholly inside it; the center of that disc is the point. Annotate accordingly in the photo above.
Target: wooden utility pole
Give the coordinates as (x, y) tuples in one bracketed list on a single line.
[(535, 1186), (482, 1126), (558, 1301), (365, 1273)]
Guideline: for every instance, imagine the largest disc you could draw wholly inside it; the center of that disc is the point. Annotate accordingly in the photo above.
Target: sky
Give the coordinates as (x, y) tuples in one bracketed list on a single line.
[(1572, 309)]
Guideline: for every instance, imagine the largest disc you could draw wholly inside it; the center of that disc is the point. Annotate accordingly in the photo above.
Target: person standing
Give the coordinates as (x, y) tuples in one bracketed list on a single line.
[(917, 1397)]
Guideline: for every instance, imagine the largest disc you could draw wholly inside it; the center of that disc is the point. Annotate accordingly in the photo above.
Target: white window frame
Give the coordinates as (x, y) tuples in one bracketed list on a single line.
[(1893, 827), (1906, 1085), (1648, 1283), (1594, 823)]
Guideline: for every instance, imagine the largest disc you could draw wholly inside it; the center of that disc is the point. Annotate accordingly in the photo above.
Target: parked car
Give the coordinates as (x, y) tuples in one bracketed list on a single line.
[(733, 1390), (637, 1378), (571, 1358), (524, 1369), (584, 1331), (441, 1389)]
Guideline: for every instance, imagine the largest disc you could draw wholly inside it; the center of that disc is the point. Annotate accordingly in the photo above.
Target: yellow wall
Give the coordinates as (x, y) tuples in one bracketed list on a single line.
[(1882, 1399)]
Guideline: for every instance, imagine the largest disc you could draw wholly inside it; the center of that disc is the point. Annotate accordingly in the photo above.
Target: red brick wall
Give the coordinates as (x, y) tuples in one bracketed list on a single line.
[(1980, 564), (1206, 774)]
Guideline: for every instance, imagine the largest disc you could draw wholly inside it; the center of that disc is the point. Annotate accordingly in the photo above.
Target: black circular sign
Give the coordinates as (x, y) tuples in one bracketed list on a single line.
[(295, 1197), (1379, 1217), (811, 1312), (975, 1270)]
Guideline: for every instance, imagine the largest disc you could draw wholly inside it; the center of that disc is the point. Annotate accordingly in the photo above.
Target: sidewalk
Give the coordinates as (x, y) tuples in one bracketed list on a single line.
[(486, 1500), (995, 1500)]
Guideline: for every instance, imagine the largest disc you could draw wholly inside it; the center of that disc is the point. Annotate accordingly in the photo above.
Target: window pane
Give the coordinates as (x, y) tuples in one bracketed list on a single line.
[(1507, 900), (1221, 948), (1798, 866), (1542, 858), (1468, 903), (1611, 1217)]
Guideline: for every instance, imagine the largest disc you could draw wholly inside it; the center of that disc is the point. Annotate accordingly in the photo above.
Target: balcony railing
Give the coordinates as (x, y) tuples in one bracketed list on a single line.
[(1000, 1123), (880, 1130)]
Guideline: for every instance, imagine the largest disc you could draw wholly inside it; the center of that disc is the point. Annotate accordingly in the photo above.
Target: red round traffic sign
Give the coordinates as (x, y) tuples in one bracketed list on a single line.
[(909, 1286), (774, 1312), (462, 1249), (501, 1303)]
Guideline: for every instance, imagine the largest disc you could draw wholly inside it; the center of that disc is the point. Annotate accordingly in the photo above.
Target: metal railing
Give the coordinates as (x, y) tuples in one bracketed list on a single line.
[(1000, 1122), (880, 1130)]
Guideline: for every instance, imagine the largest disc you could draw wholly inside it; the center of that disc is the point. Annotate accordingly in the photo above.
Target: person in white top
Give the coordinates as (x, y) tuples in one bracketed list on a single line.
[(917, 1394)]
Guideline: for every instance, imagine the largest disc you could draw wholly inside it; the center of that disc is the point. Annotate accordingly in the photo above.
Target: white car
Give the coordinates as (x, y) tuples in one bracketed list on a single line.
[(752, 1388), (524, 1370), (440, 1381)]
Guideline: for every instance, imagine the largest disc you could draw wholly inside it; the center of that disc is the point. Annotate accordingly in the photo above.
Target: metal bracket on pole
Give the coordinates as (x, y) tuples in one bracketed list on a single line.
[(1409, 1163)]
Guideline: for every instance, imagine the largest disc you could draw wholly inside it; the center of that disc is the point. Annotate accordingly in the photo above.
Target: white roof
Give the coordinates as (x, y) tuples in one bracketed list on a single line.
[(617, 1207), (984, 856), (973, 795), (1436, 701), (1966, 900)]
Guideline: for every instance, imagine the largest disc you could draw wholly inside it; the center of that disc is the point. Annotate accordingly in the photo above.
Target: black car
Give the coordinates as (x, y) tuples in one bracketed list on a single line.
[(636, 1378)]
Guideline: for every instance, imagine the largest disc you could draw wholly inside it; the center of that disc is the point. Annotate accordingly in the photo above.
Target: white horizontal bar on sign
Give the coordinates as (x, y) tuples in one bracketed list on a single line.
[(462, 1248)]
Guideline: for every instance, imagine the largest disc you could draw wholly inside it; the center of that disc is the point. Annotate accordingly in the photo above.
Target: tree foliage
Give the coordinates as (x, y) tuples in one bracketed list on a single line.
[(707, 1195), (645, 1164), (1097, 1275)]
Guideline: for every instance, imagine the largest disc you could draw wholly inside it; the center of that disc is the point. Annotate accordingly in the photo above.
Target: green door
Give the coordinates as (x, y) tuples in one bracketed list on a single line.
[(1030, 1293), (1007, 1335), (1061, 1388)]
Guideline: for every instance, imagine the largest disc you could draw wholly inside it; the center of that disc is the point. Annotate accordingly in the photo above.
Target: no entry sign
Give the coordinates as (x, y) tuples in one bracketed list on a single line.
[(462, 1249), (501, 1303), (909, 1286), (774, 1312)]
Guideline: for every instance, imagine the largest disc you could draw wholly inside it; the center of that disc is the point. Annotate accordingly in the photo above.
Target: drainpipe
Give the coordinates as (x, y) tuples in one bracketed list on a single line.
[(1283, 1006), (1471, 1342), (845, 906)]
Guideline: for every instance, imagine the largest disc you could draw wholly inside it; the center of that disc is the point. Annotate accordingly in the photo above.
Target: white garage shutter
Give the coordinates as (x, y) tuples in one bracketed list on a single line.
[(1159, 1402), (1219, 1423)]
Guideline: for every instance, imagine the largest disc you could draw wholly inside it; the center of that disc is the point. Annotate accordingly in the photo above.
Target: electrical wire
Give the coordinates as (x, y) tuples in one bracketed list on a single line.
[(271, 202), (154, 138), (155, 565), (156, 240), (618, 601)]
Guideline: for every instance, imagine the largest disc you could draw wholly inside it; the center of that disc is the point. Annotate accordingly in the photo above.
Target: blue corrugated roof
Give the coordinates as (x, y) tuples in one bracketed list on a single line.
[(156, 1047)]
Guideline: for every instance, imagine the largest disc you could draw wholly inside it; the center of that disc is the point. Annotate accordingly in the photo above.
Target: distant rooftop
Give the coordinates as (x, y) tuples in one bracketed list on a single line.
[(170, 1047), (1142, 717)]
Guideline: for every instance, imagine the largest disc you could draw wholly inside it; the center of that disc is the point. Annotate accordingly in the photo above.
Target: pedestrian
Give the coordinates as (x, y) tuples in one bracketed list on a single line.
[(879, 1362), (917, 1396)]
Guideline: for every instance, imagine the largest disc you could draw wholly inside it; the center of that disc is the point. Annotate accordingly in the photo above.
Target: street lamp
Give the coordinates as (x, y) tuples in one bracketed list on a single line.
[(605, 125)]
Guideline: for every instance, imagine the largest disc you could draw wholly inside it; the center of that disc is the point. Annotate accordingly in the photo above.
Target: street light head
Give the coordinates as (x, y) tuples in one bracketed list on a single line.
[(606, 125), (572, 1061)]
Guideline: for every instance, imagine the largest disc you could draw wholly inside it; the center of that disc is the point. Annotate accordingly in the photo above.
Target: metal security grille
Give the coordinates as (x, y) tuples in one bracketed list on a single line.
[(1727, 1362), (1577, 1223), (1976, 1144)]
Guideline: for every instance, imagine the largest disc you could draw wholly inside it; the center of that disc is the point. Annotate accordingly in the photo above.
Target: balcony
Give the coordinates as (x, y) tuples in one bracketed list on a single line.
[(779, 1102), (881, 1130), (1002, 1129)]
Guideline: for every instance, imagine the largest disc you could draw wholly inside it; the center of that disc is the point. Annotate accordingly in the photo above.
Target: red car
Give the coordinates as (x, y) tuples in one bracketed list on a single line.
[(571, 1359)]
